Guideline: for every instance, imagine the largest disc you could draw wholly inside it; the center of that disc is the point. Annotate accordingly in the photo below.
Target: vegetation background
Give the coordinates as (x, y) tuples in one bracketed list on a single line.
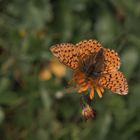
[(35, 103)]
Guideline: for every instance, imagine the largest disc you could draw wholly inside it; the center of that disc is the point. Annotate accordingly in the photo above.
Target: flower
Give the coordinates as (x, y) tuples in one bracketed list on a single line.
[(85, 83), (88, 112), (52, 67)]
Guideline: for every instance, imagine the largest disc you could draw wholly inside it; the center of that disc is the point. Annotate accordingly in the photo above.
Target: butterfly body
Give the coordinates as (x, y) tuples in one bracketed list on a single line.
[(92, 65)]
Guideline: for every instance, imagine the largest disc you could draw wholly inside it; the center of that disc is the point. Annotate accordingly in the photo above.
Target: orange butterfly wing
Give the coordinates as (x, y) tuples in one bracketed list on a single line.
[(114, 81), (111, 61), (87, 47), (66, 54), (70, 54)]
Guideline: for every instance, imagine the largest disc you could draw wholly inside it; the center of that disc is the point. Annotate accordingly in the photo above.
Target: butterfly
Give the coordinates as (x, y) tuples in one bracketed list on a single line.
[(94, 67)]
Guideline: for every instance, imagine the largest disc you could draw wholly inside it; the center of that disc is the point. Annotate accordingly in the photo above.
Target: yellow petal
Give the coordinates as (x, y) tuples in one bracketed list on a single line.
[(91, 93), (99, 92), (81, 81), (102, 89), (83, 88)]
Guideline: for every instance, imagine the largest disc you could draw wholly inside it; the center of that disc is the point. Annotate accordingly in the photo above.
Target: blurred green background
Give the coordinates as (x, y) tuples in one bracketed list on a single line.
[(35, 103)]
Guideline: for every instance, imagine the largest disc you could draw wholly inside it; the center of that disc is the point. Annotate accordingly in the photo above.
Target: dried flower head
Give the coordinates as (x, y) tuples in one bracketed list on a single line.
[(88, 112)]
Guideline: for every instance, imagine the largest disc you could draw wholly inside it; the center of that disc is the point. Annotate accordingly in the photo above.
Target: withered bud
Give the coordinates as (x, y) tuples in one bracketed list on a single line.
[(88, 112)]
